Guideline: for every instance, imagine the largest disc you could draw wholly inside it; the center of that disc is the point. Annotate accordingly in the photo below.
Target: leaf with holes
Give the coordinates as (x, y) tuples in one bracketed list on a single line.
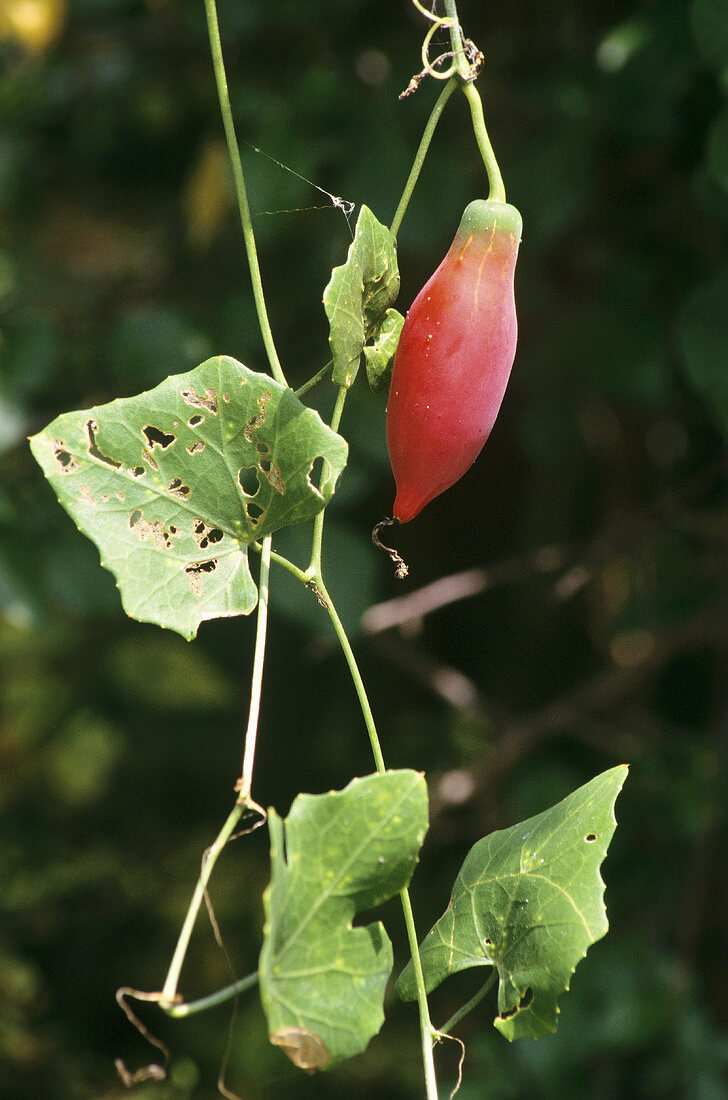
[(359, 293), (321, 981), (529, 901), (174, 483)]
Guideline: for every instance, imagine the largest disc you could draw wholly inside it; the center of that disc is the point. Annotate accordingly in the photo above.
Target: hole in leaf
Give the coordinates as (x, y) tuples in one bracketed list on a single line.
[(248, 478), (195, 420), (65, 461), (209, 401), (319, 474), (590, 838), (196, 570), (94, 450), (205, 535), (178, 489), (255, 512), (157, 438), (137, 471), (523, 1003), (270, 471), (262, 448), (255, 421)]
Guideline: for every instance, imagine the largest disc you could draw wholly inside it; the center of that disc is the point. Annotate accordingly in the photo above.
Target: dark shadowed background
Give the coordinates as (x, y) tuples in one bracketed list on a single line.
[(598, 509)]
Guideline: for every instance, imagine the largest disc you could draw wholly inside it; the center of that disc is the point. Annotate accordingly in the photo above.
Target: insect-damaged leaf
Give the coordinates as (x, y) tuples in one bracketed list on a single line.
[(174, 483), (358, 294), (528, 900), (321, 981)]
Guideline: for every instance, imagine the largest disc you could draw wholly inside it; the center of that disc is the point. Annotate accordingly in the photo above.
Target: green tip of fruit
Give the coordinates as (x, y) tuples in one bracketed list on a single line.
[(481, 216)]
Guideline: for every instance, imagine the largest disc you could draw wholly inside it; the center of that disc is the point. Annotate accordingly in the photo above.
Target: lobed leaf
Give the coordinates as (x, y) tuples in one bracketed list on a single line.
[(358, 294), (529, 901), (174, 483), (322, 981)]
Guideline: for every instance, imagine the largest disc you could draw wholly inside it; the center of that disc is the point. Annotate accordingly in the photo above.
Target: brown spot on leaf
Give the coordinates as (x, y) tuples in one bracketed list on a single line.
[(271, 471), (209, 401), (65, 461), (120, 495), (92, 427), (196, 448), (226, 398), (205, 535), (149, 460), (305, 1049), (153, 531), (157, 438), (86, 496), (256, 421), (178, 489), (195, 571)]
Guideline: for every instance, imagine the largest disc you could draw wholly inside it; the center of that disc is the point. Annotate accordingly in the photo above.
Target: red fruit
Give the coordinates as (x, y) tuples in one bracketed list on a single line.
[(454, 358)]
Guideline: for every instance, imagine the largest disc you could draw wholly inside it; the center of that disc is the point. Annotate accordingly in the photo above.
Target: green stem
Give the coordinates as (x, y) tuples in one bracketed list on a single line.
[(318, 377), (169, 990), (426, 1029), (469, 1005), (497, 191), (251, 733), (314, 569), (422, 152), (242, 195), (218, 998)]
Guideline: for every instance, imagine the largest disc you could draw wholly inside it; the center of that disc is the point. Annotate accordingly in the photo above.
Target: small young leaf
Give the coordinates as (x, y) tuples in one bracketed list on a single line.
[(358, 294), (321, 981), (528, 900), (379, 354), (174, 483)]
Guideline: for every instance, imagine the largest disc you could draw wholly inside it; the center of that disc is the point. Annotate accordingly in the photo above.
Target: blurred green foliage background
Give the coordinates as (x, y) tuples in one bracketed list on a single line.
[(598, 511)]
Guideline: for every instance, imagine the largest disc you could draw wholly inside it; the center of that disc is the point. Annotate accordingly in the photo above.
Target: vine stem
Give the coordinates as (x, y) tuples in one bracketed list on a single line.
[(214, 999), (169, 997), (169, 989), (471, 1004), (497, 192), (422, 152), (251, 734), (427, 1031), (240, 190)]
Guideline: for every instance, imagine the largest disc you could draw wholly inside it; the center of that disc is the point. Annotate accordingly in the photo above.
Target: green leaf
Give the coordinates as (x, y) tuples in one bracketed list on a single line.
[(358, 294), (703, 336), (322, 982), (528, 900), (174, 483), (379, 354)]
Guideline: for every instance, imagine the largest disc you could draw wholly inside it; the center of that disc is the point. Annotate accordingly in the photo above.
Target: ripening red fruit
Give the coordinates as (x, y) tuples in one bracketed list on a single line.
[(454, 358)]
